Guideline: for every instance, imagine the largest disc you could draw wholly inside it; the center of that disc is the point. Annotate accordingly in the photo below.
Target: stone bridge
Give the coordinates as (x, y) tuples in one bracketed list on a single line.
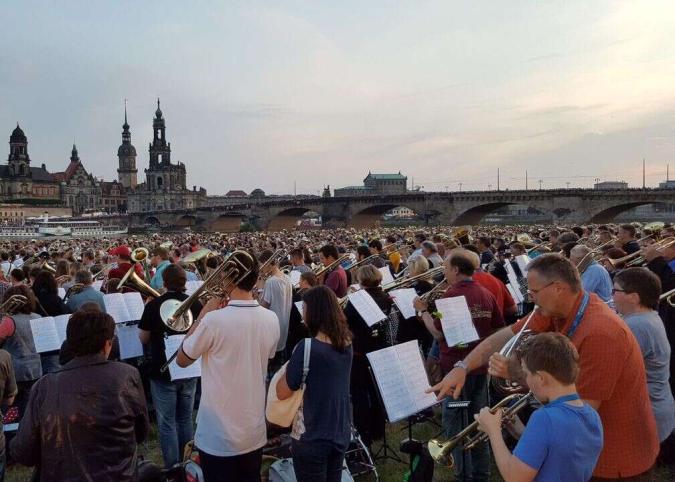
[(564, 206)]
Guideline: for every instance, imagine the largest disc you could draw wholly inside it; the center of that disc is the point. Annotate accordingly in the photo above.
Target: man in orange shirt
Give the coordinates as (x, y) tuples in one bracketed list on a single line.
[(612, 376)]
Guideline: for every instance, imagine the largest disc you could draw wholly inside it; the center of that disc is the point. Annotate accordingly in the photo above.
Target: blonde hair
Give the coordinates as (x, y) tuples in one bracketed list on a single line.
[(418, 265), (369, 276)]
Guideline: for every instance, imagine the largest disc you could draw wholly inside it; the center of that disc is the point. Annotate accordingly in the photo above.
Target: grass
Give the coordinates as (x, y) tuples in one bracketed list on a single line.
[(388, 470)]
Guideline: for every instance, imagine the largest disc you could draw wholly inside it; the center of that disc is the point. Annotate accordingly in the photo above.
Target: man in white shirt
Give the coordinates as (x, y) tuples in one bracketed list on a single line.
[(277, 296), (235, 344)]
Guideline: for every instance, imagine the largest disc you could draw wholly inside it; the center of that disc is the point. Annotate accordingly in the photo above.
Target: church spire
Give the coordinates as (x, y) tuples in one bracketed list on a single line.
[(125, 126), (74, 157), (158, 112)]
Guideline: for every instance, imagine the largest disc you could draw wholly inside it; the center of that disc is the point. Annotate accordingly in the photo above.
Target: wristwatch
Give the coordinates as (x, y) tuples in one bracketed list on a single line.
[(461, 364), (421, 313)]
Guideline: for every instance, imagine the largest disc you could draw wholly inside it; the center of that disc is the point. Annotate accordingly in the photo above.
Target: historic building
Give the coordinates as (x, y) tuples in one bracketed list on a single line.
[(165, 183), (126, 154), (80, 190), (19, 181), (376, 184)]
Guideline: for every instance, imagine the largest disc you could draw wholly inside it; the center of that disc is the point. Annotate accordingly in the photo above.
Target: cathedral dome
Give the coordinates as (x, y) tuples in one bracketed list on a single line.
[(126, 150), (18, 135)]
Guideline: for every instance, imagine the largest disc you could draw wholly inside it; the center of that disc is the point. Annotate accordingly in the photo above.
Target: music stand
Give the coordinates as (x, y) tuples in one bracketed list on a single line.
[(385, 451), (464, 406)]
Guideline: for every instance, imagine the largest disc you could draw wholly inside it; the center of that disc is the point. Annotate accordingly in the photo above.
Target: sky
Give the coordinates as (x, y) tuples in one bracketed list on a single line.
[(297, 95)]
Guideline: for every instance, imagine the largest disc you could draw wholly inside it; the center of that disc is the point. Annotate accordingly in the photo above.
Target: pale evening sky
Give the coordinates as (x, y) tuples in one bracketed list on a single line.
[(262, 94)]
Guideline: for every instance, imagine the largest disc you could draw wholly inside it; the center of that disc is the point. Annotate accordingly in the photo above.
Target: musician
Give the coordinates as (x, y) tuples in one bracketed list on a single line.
[(173, 400), (159, 259), (86, 421), (369, 416), (487, 318), (85, 293), (417, 243), (122, 256), (8, 391), (563, 439), (659, 260), (394, 256), (337, 278), (234, 344), (375, 247), (47, 294), (594, 277), (5, 264), (430, 252), (495, 286), (277, 295), (483, 244), (411, 328), (611, 377), (297, 256), (636, 295), (626, 239), (88, 259)]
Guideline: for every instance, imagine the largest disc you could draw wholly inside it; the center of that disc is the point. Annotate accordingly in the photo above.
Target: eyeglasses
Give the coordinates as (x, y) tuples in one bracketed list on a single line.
[(534, 292), (615, 290)]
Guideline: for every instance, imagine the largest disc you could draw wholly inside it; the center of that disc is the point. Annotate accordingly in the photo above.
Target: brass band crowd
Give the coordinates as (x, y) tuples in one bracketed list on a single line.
[(575, 325)]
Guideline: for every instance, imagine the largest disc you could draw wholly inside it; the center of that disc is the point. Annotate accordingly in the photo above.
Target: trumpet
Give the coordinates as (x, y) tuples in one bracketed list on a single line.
[(503, 386), (468, 438)]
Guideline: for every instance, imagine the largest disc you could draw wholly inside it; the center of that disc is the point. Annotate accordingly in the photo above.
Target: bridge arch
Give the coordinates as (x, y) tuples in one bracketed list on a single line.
[(152, 221), (475, 214), (227, 223), (608, 214), (187, 220), (373, 215), (288, 218)]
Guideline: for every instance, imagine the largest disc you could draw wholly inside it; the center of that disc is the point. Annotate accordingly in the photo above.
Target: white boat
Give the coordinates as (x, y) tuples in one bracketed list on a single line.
[(20, 232), (78, 229)]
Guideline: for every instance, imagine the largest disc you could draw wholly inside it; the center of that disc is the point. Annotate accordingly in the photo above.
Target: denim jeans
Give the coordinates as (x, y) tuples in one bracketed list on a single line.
[(317, 461), (472, 465), (174, 402)]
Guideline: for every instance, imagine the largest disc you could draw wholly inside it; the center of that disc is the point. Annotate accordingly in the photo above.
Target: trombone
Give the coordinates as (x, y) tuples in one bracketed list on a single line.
[(325, 269), (669, 297), (468, 438)]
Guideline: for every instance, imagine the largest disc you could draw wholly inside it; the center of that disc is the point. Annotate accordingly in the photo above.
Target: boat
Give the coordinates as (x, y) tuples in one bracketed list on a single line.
[(19, 232), (78, 229)]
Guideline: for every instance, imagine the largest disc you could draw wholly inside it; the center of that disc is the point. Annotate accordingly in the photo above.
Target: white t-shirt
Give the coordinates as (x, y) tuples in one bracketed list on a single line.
[(278, 292), (235, 344)]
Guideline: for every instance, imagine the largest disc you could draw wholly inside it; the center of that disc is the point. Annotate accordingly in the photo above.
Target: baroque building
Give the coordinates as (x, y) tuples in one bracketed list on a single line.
[(126, 154), (80, 190), (376, 184), (165, 182)]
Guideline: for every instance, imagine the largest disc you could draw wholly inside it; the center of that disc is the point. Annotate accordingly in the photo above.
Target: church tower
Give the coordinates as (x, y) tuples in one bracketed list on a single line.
[(126, 153), (19, 162), (160, 150)]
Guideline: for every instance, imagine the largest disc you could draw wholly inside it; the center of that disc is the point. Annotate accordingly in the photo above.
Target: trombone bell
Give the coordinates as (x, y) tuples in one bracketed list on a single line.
[(180, 323)]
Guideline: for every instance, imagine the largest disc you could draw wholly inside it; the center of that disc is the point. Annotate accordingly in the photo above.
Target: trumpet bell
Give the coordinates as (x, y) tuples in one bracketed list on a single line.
[(441, 452), (139, 255), (167, 312)]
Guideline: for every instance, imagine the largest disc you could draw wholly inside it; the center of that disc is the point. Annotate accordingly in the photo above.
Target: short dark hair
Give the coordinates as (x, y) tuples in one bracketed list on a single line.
[(363, 250), (462, 262), (329, 251), (247, 283), (87, 331), (555, 267), (420, 237), (174, 278), (46, 283), (628, 228), (643, 282), (18, 274), (375, 243), (485, 241), (471, 247), (578, 230), (265, 255), (298, 253), (552, 353), (310, 278)]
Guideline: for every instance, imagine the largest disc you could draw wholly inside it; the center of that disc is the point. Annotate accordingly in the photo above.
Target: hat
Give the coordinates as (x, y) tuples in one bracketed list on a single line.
[(122, 251)]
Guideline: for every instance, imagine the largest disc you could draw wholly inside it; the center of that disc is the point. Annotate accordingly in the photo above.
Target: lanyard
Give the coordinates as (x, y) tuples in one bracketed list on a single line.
[(563, 399), (579, 316)]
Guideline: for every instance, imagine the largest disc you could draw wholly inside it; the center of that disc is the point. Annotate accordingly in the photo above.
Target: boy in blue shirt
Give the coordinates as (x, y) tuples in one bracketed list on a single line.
[(563, 439)]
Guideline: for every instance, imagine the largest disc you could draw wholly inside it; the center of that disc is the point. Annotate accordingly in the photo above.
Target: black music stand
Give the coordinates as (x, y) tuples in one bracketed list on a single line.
[(464, 406), (385, 451)]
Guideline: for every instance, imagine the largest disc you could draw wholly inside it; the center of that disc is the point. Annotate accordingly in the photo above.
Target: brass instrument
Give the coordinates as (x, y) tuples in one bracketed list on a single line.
[(62, 279), (362, 262), (468, 438), (48, 267), (278, 256), (103, 272), (637, 258), (326, 269), (669, 296), (12, 305), (501, 385), (408, 280), (73, 290), (133, 281)]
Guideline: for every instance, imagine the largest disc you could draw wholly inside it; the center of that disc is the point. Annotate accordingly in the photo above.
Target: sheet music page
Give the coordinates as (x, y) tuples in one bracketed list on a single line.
[(456, 321), (97, 284), (116, 307), (45, 337), (515, 293), (171, 344), (511, 273), (135, 306), (191, 286), (523, 260), (404, 300), (387, 277), (300, 305), (130, 344), (61, 323), (294, 276), (366, 306), (410, 360), (391, 381), (62, 293)]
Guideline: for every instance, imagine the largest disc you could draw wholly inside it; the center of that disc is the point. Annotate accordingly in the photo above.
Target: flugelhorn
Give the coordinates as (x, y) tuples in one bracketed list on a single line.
[(471, 436), (501, 385)]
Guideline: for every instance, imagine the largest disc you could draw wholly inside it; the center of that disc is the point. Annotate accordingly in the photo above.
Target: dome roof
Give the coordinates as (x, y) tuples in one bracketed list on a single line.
[(18, 135), (257, 193), (126, 150)]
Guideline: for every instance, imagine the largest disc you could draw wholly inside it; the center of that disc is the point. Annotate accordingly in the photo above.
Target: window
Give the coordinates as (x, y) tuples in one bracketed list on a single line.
[(160, 181)]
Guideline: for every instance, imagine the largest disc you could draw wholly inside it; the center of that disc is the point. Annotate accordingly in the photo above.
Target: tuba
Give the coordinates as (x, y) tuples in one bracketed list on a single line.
[(13, 304)]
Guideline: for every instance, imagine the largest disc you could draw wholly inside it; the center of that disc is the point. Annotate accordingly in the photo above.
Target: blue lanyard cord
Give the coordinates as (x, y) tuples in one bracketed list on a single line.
[(580, 315)]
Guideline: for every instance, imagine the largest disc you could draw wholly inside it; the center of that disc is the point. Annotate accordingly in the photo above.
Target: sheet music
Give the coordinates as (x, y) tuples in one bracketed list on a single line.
[(387, 277), (300, 305), (366, 306), (401, 379), (171, 344), (116, 307), (456, 321), (523, 260), (135, 306), (61, 323), (45, 336), (191, 286), (404, 300), (294, 276), (515, 293), (62, 293), (130, 344), (511, 274), (97, 284)]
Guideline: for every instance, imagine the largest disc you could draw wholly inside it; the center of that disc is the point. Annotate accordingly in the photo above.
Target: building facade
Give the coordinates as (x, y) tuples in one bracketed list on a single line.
[(376, 184), (165, 183), (611, 185)]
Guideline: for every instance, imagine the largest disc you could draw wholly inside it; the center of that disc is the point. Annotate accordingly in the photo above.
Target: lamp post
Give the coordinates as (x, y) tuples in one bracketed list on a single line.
[(540, 181)]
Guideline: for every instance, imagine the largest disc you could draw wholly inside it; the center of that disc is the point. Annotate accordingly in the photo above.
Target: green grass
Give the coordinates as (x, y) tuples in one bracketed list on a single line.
[(388, 470)]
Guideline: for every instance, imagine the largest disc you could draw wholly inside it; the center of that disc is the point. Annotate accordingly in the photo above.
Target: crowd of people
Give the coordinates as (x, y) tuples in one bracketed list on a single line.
[(589, 307)]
